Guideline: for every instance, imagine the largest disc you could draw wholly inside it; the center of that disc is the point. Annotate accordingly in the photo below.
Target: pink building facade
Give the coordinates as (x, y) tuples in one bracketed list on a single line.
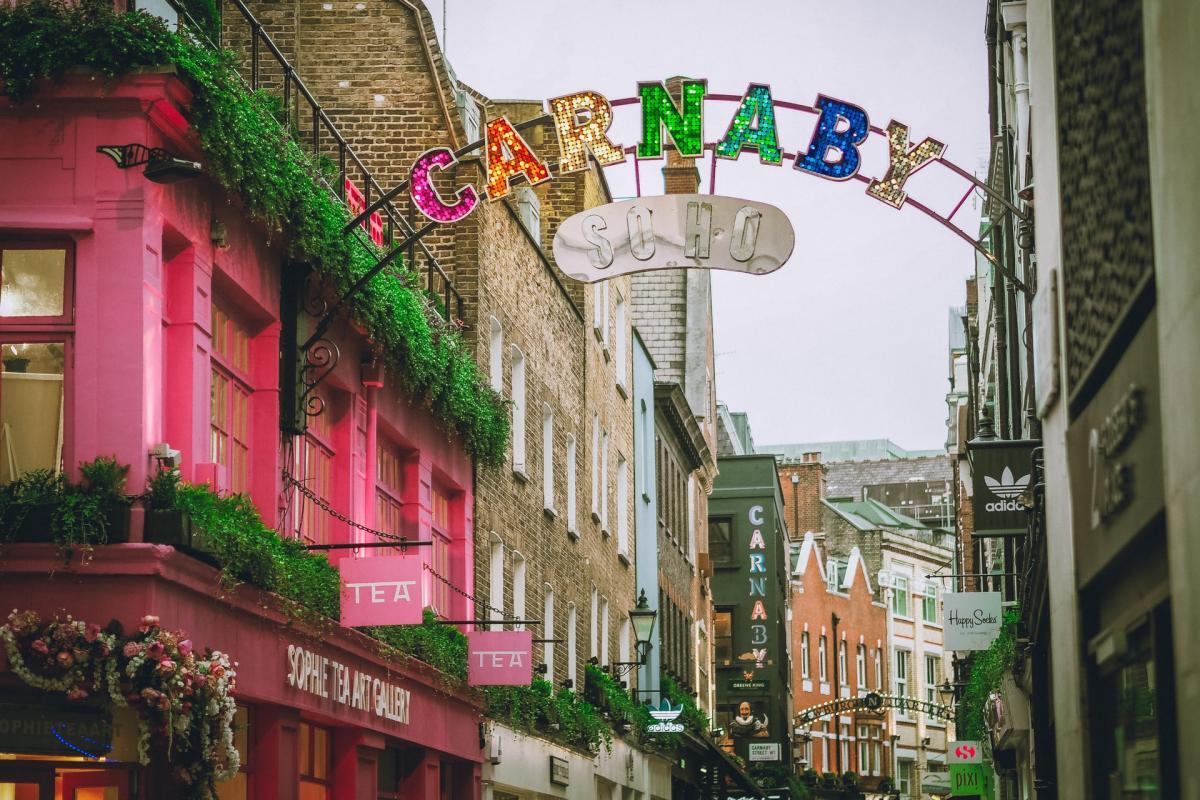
[(138, 317)]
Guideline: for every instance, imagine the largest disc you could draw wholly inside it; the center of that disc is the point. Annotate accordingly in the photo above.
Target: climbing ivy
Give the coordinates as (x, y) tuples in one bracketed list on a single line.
[(987, 671), (251, 154)]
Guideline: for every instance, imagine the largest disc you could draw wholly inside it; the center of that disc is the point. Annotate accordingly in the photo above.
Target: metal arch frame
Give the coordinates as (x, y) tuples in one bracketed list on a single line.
[(944, 221), (830, 708), (317, 364)]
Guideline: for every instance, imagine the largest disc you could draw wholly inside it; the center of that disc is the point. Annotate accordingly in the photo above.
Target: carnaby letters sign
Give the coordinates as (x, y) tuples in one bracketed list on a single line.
[(384, 590), (500, 658), (972, 619)]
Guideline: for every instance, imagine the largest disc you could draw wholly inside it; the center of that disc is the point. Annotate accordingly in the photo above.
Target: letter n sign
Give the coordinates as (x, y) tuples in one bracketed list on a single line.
[(500, 658), (384, 590)]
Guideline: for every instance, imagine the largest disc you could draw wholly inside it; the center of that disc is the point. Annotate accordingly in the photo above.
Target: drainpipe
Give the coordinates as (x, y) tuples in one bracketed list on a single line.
[(837, 695)]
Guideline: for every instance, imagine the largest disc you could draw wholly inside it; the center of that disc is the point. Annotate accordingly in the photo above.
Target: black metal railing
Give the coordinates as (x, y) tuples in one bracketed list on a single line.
[(265, 67)]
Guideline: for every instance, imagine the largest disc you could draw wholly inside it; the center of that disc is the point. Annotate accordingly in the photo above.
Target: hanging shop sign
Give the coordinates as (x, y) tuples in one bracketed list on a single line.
[(973, 619), (709, 232), (381, 590), (970, 776), (664, 718), (325, 678), (1001, 470), (672, 231), (1114, 447), (499, 658)]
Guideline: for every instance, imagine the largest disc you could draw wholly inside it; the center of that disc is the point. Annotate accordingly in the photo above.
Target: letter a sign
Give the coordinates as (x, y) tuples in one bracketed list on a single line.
[(500, 658), (384, 590)]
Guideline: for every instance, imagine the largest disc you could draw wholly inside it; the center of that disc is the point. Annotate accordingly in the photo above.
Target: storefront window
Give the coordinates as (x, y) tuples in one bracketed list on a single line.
[(230, 407), (389, 485), (236, 787), (315, 759), (35, 335)]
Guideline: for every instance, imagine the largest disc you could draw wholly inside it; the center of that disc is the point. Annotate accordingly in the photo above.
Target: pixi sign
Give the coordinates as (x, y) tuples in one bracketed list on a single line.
[(694, 232)]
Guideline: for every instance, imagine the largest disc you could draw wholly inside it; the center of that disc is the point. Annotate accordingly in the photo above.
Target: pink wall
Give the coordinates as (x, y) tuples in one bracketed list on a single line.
[(145, 274)]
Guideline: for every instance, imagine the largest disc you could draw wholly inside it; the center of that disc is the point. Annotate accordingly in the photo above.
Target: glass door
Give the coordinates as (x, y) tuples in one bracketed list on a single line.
[(95, 785)]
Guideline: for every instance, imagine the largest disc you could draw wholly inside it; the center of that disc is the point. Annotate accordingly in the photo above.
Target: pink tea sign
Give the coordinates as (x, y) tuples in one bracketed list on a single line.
[(500, 658), (383, 590)]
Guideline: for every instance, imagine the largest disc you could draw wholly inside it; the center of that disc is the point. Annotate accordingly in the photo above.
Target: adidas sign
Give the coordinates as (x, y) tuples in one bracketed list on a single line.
[(1008, 489), (1003, 505), (665, 716)]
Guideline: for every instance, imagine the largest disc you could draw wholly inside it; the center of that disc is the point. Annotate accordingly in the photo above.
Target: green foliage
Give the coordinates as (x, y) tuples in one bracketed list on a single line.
[(105, 476), (773, 776), (987, 671), (537, 708), (250, 153), (249, 551), (162, 490), (76, 514), (440, 646), (692, 716)]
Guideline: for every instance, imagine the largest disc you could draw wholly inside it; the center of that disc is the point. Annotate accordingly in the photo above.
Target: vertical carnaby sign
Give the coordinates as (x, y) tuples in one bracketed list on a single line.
[(972, 619), (758, 589), (1001, 473), (384, 590), (500, 658)]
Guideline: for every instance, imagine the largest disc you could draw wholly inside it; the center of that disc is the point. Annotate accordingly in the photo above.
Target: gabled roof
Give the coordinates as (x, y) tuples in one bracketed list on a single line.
[(809, 549), (856, 565), (869, 515)]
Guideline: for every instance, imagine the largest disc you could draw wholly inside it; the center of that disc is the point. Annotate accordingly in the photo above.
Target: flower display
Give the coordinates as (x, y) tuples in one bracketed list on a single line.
[(184, 699)]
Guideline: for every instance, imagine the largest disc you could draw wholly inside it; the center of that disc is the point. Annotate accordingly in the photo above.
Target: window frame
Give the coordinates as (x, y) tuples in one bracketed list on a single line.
[(58, 329), (805, 668), (44, 323), (714, 523), (311, 777), (718, 638)]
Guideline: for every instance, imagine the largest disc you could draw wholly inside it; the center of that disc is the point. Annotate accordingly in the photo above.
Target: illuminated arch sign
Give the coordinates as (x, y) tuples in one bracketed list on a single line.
[(697, 231)]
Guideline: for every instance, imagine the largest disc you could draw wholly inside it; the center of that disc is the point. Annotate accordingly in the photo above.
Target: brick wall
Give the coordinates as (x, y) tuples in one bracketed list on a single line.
[(377, 69), (802, 499)]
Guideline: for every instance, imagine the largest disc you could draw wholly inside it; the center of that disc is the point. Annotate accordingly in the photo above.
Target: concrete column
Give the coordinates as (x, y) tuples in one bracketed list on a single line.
[(1172, 54)]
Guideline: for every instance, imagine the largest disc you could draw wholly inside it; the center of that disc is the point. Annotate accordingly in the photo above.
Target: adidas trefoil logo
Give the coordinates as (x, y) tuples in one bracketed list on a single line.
[(1007, 489), (666, 714)]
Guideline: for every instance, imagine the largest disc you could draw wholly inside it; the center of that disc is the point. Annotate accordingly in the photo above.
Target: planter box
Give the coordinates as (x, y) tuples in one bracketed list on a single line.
[(38, 524), (175, 528)]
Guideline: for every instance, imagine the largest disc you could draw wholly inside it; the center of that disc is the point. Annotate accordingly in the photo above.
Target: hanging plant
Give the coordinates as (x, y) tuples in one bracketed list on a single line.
[(183, 699)]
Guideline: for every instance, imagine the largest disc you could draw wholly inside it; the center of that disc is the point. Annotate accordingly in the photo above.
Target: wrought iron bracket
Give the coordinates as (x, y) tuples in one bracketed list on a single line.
[(353, 546), (133, 155)]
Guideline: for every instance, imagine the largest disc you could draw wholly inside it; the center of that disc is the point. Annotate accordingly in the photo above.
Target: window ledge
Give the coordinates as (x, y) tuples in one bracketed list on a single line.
[(824, 688), (605, 533), (624, 392), (573, 534), (519, 474), (595, 516), (598, 330), (550, 512), (623, 558), (607, 354)]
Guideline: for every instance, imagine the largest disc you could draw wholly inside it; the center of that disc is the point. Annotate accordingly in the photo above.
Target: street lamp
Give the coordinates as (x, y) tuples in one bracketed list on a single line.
[(946, 693), (642, 617)]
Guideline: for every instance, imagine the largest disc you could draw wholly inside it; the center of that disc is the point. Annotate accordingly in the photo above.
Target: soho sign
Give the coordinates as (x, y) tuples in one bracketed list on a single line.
[(673, 231), (581, 123)]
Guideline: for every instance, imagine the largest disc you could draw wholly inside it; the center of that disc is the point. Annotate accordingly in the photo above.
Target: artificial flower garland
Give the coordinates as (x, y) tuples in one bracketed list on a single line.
[(184, 700)]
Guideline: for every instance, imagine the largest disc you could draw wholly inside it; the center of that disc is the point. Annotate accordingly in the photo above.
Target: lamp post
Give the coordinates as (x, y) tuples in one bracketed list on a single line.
[(837, 694), (642, 618)]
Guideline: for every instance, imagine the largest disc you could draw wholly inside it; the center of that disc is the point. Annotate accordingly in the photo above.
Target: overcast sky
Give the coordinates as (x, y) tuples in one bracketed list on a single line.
[(849, 339)]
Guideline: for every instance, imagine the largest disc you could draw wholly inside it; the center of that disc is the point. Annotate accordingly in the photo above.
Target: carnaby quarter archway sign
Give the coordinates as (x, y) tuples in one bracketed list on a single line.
[(872, 702), (676, 231)]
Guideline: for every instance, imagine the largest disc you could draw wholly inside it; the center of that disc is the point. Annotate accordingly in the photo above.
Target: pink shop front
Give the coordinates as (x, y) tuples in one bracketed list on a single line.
[(139, 318)]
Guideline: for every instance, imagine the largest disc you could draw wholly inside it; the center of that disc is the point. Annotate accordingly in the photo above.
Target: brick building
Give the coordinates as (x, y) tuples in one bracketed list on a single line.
[(855, 661), (554, 525)]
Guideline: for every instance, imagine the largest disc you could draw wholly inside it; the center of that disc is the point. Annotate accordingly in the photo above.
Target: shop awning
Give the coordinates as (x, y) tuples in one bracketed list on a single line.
[(728, 765)]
